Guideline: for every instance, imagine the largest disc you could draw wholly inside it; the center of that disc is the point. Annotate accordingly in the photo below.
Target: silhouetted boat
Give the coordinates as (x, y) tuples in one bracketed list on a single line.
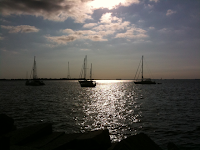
[(85, 82), (35, 81), (144, 81)]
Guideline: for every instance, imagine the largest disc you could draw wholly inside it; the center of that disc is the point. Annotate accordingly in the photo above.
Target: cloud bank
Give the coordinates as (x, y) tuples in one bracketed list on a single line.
[(108, 25), (59, 10)]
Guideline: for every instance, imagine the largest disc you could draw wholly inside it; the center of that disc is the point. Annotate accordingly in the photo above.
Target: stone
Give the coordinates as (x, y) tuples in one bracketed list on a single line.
[(6, 124), (62, 142), (98, 140), (30, 133), (137, 142), (44, 140), (4, 143), (172, 146)]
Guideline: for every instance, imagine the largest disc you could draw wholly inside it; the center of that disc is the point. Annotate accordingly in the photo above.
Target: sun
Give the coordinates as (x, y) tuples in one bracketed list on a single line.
[(110, 4)]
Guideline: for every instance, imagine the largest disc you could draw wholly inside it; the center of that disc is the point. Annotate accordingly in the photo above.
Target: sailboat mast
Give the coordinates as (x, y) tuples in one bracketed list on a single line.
[(142, 67), (91, 72), (68, 76), (34, 69), (85, 66)]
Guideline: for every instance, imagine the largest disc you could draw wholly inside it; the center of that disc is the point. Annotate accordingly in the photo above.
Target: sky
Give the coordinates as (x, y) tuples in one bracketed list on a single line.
[(114, 34)]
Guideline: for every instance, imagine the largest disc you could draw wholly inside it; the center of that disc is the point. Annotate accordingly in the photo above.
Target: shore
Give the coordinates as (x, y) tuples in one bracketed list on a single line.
[(42, 137)]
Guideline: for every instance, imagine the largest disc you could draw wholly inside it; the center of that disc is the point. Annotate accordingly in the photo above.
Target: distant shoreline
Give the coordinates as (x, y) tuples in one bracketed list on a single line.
[(83, 79)]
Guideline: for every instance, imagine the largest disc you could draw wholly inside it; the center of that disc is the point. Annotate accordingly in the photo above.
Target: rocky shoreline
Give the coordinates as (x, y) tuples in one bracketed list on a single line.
[(42, 137)]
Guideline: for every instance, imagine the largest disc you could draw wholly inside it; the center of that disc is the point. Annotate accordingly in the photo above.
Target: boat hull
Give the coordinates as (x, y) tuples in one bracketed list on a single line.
[(34, 83), (145, 82), (86, 83)]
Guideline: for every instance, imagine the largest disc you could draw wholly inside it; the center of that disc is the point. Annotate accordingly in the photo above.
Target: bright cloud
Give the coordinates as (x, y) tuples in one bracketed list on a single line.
[(89, 25), (108, 25), (170, 12), (21, 28), (70, 31), (110, 4)]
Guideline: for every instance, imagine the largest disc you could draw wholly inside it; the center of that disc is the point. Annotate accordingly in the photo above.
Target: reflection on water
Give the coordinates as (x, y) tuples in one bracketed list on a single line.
[(113, 105)]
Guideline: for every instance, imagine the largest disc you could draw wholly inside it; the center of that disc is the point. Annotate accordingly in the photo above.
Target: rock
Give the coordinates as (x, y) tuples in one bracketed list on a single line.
[(44, 140), (4, 143), (172, 146), (98, 140), (30, 133), (62, 142), (6, 124), (137, 142), (15, 147), (40, 136)]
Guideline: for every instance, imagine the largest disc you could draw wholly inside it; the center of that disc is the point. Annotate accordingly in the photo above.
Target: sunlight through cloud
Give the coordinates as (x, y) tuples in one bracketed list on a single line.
[(110, 4)]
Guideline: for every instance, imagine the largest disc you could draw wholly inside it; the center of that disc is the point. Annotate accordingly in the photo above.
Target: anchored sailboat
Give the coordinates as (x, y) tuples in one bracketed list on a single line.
[(35, 81), (144, 81), (85, 82)]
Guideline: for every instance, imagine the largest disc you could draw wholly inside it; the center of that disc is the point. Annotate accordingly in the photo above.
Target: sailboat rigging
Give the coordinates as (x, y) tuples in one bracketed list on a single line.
[(85, 82), (35, 81), (144, 81)]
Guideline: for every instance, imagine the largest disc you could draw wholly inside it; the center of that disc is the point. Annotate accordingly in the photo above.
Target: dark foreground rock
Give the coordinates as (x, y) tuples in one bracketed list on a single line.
[(6, 124), (172, 146), (41, 137)]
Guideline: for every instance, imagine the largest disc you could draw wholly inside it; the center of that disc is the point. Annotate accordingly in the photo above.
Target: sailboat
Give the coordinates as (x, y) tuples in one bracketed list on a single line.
[(144, 81), (35, 81), (85, 82)]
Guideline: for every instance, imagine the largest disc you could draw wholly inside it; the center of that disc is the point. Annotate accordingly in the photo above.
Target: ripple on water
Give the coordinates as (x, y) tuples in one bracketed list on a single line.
[(166, 112)]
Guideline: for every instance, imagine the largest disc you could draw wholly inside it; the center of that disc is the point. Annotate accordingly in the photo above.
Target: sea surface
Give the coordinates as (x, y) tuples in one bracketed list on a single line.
[(167, 112)]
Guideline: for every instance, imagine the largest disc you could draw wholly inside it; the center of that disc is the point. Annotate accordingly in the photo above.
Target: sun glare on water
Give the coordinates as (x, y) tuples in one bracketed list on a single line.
[(105, 3)]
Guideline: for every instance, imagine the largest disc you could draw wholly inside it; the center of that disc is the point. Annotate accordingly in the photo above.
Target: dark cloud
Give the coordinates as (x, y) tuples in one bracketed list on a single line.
[(57, 10)]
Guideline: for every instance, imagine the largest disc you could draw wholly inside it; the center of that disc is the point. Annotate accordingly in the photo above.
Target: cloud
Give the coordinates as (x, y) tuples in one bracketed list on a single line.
[(70, 31), (110, 4), (9, 51), (151, 28), (107, 25), (5, 21), (150, 6), (111, 23), (21, 28), (59, 10), (133, 33), (156, 1), (164, 30), (170, 12), (89, 25), (95, 38), (84, 32), (61, 39), (75, 35)]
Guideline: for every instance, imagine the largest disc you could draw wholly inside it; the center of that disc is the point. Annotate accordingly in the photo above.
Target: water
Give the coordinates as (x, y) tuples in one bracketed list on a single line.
[(167, 112)]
